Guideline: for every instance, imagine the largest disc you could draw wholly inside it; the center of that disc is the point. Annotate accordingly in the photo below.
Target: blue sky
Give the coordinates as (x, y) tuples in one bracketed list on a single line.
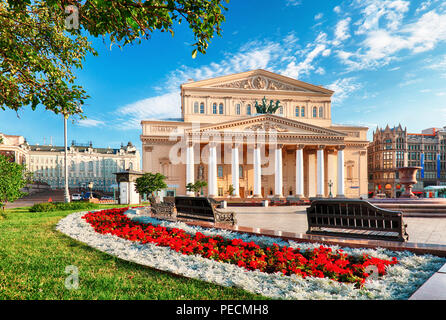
[(385, 60)]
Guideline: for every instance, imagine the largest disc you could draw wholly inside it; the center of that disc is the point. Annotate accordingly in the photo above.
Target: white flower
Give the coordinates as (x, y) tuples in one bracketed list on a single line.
[(400, 282)]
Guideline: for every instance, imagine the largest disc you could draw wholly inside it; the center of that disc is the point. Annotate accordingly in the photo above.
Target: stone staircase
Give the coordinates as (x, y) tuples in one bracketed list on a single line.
[(432, 208)]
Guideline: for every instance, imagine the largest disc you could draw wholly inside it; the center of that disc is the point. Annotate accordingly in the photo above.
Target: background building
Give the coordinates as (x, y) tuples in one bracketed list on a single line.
[(85, 164), (392, 148), (14, 147)]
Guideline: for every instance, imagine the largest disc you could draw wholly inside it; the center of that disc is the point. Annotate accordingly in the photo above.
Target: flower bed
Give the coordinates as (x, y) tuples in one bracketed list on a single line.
[(320, 262), (400, 281)]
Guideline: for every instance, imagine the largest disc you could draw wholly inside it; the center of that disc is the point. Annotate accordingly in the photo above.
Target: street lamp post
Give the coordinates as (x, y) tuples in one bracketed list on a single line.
[(90, 185), (67, 191), (330, 184)]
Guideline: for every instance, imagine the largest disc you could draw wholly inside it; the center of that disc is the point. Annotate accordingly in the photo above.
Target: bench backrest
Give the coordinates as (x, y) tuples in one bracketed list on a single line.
[(199, 208), (353, 214)]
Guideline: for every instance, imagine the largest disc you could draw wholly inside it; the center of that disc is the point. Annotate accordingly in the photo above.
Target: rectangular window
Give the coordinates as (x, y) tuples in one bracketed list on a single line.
[(297, 111), (302, 112), (202, 107), (196, 107), (237, 108), (220, 192), (214, 108), (220, 171), (240, 172), (220, 108)]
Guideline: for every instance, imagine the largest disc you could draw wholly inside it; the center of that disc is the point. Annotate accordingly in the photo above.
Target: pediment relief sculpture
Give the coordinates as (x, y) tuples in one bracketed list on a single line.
[(259, 83), (267, 126)]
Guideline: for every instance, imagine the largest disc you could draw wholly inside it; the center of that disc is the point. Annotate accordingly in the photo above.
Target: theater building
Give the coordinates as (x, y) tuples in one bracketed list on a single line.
[(295, 152)]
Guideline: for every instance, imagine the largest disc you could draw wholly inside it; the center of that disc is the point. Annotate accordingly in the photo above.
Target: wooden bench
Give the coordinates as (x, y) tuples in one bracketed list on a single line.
[(202, 208), (355, 218)]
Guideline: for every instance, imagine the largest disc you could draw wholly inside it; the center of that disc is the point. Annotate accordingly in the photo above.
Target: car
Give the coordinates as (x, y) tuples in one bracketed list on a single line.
[(106, 198), (76, 197), (88, 195)]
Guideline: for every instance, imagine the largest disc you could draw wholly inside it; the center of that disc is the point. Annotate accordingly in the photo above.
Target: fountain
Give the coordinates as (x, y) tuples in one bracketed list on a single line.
[(408, 203), (408, 177)]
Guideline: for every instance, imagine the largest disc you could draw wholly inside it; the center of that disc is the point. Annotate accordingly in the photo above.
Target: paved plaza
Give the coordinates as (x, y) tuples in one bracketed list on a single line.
[(294, 219)]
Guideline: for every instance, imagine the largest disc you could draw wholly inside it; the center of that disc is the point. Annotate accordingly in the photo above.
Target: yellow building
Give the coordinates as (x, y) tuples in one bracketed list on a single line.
[(295, 152)]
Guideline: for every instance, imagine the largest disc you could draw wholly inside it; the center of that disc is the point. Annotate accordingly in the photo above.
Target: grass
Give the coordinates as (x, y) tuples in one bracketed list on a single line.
[(33, 258)]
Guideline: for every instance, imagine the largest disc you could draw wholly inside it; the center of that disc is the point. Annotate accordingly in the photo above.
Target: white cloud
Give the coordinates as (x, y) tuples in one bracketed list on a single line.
[(90, 123), (337, 9), (343, 88), (378, 14), (386, 35), (293, 3), (319, 16), (342, 31), (164, 106), (308, 55)]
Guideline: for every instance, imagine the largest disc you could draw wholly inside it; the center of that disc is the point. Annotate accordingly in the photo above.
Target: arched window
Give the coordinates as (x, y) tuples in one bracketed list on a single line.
[(237, 108), (314, 112), (321, 112), (195, 107), (302, 112), (214, 108), (220, 108), (248, 109), (202, 107), (297, 111)]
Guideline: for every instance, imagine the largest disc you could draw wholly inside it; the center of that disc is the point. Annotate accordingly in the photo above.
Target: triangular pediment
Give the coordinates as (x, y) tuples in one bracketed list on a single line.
[(271, 123), (258, 80)]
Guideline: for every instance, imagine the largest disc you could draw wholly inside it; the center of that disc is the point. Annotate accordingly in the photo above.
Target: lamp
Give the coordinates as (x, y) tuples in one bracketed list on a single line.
[(90, 185)]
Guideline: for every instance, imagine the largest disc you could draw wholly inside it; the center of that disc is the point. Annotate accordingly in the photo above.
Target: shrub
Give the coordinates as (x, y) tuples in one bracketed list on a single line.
[(61, 206)]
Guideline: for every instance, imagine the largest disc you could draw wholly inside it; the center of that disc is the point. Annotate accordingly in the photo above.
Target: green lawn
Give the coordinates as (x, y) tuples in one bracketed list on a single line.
[(33, 258)]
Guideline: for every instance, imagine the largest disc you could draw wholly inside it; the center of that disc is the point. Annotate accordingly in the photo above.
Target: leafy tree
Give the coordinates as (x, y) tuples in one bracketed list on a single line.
[(196, 187), (13, 177), (200, 184), (231, 190), (42, 41), (149, 183)]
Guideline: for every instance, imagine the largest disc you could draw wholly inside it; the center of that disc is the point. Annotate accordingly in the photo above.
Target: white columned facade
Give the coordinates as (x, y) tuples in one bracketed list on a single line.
[(299, 172), (235, 170), (320, 183), (340, 178), (190, 166), (278, 178), (212, 171), (257, 172)]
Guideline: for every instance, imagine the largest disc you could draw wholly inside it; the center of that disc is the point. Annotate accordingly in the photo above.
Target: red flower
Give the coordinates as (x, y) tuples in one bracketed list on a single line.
[(320, 262)]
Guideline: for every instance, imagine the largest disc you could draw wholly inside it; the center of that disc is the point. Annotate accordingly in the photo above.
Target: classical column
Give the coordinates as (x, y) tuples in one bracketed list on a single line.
[(257, 172), (212, 170), (299, 172), (278, 172), (235, 170), (190, 166), (331, 171), (320, 172), (340, 179)]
